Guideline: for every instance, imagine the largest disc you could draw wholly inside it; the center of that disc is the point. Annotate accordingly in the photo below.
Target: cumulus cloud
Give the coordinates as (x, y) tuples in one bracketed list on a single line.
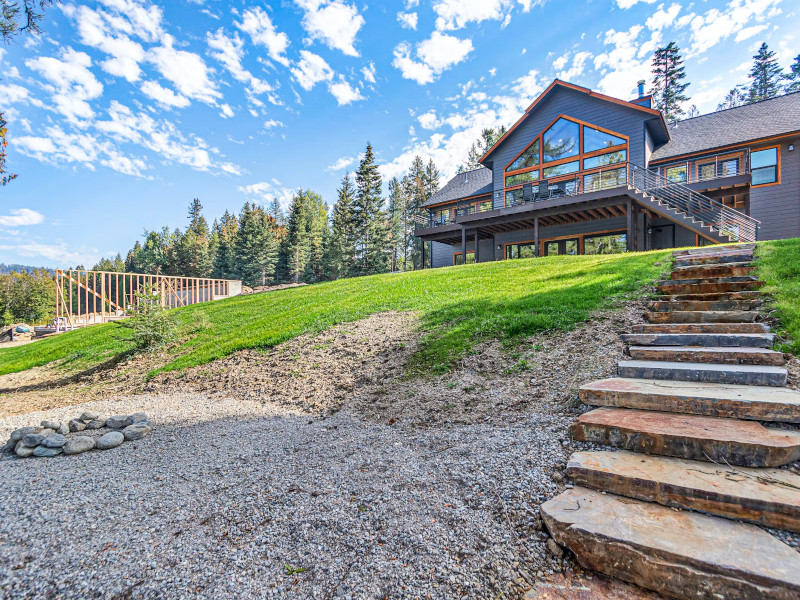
[(257, 23), (369, 72), (629, 3), (626, 62), (455, 14), (264, 192), (334, 23), (716, 25), (663, 17), (272, 123), (407, 20), (11, 93), (344, 92), (310, 70), (434, 55), (186, 70), (229, 51), (164, 96), (60, 253), (342, 163), (578, 66), (21, 217)]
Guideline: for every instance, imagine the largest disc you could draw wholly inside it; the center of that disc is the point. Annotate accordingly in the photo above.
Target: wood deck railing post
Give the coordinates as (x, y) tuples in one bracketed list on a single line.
[(464, 245), (629, 235), (535, 237)]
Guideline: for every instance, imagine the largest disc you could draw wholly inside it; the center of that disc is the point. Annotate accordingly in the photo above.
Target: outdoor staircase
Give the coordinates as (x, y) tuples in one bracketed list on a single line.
[(686, 415)]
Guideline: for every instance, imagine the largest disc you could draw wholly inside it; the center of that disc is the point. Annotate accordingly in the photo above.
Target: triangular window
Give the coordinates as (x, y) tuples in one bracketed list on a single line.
[(594, 139), (528, 158), (561, 140)]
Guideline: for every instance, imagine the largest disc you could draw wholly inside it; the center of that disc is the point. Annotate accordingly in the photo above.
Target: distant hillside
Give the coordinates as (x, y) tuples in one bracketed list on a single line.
[(4, 268)]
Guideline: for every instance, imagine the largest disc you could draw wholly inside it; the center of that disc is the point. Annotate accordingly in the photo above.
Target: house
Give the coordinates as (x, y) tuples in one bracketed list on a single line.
[(584, 173)]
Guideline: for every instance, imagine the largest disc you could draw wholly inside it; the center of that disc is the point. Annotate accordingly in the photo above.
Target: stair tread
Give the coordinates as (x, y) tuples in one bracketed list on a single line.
[(719, 340), (769, 497), (700, 280), (697, 437), (727, 265), (729, 355), (702, 366), (682, 554), (702, 316), (707, 372), (718, 328)]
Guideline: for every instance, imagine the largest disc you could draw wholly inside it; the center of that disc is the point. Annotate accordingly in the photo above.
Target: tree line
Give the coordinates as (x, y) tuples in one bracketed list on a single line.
[(363, 234), (766, 80)]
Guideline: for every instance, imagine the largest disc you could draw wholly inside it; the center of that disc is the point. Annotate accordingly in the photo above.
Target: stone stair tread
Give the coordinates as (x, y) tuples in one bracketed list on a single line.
[(737, 355), (761, 403), (668, 283), (702, 316), (727, 265), (712, 439), (721, 258), (721, 340), (759, 328), (703, 305), (747, 247), (711, 271), (711, 297), (680, 554), (710, 287), (711, 373), (769, 497)]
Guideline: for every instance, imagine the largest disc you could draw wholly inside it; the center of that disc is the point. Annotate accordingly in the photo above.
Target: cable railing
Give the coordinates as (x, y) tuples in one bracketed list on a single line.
[(707, 167)]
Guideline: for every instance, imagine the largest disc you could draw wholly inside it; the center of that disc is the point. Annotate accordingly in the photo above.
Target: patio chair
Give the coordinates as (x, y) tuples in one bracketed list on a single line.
[(543, 191), (527, 192)]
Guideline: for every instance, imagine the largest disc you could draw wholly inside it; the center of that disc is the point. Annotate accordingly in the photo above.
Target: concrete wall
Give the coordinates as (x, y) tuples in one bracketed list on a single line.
[(778, 206)]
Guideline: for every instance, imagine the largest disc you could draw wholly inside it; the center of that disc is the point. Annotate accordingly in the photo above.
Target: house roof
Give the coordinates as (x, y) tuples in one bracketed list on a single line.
[(733, 126), (464, 185), (558, 83)]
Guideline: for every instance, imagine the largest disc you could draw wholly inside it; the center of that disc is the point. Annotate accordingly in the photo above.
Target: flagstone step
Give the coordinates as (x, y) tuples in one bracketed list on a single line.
[(702, 316), (718, 258), (742, 355), (754, 402), (712, 271), (701, 372), (705, 251), (750, 295), (679, 287), (769, 497), (712, 439), (670, 283), (680, 554), (703, 305), (722, 340), (701, 328)]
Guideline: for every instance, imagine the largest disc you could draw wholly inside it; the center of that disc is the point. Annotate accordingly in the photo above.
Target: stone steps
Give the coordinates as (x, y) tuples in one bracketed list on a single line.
[(702, 316), (751, 295), (717, 249), (769, 497), (752, 402), (670, 283), (712, 271), (679, 554), (726, 340), (702, 287), (702, 305), (701, 328), (741, 355), (719, 258), (700, 372), (712, 439)]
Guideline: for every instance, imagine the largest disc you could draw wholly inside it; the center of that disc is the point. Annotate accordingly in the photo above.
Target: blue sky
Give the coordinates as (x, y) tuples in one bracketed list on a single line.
[(125, 110)]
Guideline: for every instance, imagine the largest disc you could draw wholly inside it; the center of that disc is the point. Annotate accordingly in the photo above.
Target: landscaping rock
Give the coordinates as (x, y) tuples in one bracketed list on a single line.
[(136, 431), (76, 425), (97, 423), (63, 430), (20, 433), (42, 451), (54, 425), (79, 444), (88, 416), (32, 440), (136, 418), (22, 450), (117, 422), (55, 440), (110, 440)]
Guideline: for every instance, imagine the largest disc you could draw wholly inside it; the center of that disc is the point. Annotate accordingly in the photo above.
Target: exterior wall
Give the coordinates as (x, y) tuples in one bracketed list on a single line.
[(648, 147), (778, 206), (615, 117)]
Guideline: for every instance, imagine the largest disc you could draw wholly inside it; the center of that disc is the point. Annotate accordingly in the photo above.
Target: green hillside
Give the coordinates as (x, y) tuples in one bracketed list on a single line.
[(458, 306)]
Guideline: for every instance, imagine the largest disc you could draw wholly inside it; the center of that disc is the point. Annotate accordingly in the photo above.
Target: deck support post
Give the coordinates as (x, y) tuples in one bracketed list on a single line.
[(629, 235), (645, 227), (422, 264), (476, 245), (536, 236), (464, 245)]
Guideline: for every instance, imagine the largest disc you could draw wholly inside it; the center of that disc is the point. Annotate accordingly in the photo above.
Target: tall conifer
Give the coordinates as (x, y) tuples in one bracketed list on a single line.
[(765, 75), (668, 81)]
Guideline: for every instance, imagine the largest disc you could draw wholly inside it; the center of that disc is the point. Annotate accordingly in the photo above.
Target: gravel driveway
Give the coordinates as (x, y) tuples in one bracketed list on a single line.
[(228, 498)]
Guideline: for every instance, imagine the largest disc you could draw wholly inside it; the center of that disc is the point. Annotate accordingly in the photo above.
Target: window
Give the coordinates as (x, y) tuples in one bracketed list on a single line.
[(729, 167), (443, 216), (528, 158), (561, 140), (561, 247), (764, 165), (719, 168), (458, 258), (604, 180), (611, 243), (522, 178), (524, 250), (602, 160), (594, 139), (484, 205), (513, 197), (562, 169), (676, 174)]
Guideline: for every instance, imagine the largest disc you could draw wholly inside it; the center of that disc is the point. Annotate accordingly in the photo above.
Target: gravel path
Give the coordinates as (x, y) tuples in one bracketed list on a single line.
[(241, 499)]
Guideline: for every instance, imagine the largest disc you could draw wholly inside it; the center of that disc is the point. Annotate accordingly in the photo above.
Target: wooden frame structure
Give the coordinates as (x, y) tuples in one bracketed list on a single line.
[(90, 297)]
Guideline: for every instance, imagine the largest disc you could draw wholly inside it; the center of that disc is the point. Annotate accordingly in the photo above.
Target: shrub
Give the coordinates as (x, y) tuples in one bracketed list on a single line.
[(151, 326)]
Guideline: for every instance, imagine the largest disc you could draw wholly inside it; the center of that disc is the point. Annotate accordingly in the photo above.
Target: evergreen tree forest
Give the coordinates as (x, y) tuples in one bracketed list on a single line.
[(362, 234)]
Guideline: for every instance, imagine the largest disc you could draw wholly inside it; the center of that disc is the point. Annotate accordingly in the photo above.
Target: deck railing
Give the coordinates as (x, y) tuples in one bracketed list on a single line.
[(706, 168)]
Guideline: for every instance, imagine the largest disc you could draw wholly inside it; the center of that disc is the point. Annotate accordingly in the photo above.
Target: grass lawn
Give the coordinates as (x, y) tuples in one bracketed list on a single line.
[(779, 267), (458, 306)]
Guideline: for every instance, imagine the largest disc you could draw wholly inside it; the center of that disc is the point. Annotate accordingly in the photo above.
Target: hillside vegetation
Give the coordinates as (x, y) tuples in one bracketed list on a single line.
[(457, 307), (779, 267)]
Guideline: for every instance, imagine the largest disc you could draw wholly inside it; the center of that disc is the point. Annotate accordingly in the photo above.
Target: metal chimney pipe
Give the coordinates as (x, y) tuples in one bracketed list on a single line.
[(640, 83)]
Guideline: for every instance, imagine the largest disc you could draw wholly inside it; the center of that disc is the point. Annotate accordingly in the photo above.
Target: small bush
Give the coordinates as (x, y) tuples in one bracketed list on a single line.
[(151, 326)]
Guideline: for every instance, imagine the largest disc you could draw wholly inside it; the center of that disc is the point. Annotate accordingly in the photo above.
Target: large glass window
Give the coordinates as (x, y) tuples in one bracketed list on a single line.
[(522, 178), (594, 139), (602, 160), (561, 247), (526, 250), (458, 258), (611, 243), (676, 174), (718, 168), (604, 180), (528, 158), (443, 216), (764, 165), (561, 140), (484, 205), (513, 197), (562, 169)]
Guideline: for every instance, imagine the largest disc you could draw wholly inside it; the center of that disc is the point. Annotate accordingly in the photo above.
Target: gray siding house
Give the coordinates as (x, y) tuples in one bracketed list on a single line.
[(584, 173)]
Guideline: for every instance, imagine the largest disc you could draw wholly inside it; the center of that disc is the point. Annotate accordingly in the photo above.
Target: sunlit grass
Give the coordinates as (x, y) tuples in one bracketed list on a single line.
[(779, 267), (458, 307)]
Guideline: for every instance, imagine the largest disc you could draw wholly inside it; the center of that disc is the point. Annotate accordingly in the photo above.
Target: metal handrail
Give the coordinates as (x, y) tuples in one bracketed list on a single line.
[(720, 162)]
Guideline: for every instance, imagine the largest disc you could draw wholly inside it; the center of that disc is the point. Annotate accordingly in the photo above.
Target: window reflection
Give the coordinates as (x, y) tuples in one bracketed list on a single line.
[(561, 140)]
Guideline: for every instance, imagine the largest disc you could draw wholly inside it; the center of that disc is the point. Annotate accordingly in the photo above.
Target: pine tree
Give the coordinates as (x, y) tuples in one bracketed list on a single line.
[(397, 222), (736, 97), (255, 249), (668, 86), (481, 146), (765, 75), (371, 227), (276, 212), (225, 254), (132, 259), (793, 76), (340, 254)]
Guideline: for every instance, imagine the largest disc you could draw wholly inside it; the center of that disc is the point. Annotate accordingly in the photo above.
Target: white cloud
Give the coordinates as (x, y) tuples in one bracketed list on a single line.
[(12, 93), (226, 112), (266, 191), (272, 123), (344, 92), (455, 14), (408, 20), (629, 3), (748, 32), (136, 17), (262, 31), (333, 22), (72, 84), (717, 25), (21, 217), (578, 65), (429, 120), (229, 51), (627, 62), (61, 253), (311, 69), (436, 54), (663, 18), (164, 96), (342, 163), (561, 61), (96, 29), (186, 70), (369, 72)]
